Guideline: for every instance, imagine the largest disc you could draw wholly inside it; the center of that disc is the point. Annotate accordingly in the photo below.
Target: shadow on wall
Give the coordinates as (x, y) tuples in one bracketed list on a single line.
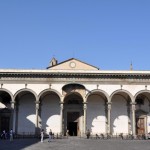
[(50, 113), (26, 116), (119, 117), (96, 119)]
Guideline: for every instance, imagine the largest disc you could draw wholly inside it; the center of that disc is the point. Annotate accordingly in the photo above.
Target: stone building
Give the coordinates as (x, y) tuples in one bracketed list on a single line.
[(76, 96)]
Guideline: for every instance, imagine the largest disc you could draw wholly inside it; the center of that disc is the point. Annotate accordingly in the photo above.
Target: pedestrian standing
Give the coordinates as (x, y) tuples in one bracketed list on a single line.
[(50, 135), (42, 135), (88, 134), (11, 135), (67, 134), (3, 134)]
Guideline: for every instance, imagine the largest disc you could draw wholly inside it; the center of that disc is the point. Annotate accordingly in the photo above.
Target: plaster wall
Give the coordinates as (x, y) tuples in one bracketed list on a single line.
[(50, 113), (37, 88), (96, 118), (13, 88), (133, 89), (119, 116), (26, 114)]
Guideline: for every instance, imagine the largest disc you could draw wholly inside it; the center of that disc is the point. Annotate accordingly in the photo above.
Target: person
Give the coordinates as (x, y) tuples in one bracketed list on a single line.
[(42, 135), (67, 133), (11, 135), (88, 134), (50, 135), (3, 135)]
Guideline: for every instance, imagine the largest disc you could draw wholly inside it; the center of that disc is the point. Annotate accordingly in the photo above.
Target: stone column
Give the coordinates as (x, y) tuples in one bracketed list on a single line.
[(85, 116), (37, 117), (133, 119), (61, 117), (108, 117), (16, 117), (13, 116), (129, 117)]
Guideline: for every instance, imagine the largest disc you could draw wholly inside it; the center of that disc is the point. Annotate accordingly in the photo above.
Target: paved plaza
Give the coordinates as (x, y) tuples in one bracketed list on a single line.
[(75, 143)]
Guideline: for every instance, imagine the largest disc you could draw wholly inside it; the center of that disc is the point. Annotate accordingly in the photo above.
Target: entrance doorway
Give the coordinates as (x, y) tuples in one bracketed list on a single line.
[(73, 123), (140, 126), (72, 127)]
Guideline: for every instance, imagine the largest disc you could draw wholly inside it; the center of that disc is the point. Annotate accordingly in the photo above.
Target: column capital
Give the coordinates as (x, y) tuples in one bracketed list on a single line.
[(61, 105), (133, 103), (61, 102), (12, 104), (109, 105), (85, 102), (37, 104), (84, 105)]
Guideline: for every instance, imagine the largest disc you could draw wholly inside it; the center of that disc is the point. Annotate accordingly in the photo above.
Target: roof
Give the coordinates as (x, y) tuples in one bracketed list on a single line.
[(73, 64)]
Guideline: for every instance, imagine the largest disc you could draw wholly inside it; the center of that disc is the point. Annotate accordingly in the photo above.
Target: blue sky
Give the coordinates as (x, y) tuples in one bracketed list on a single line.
[(108, 34)]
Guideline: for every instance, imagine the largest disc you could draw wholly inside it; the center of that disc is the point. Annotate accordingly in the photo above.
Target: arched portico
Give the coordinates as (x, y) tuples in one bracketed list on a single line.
[(121, 115), (142, 113), (74, 105), (73, 114), (97, 121), (49, 111), (25, 120), (6, 113)]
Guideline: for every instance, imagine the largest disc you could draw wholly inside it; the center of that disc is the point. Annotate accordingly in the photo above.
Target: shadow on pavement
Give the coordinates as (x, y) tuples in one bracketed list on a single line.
[(17, 144)]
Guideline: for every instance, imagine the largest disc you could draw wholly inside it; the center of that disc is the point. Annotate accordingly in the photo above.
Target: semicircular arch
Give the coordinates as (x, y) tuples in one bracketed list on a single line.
[(69, 84), (97, 91), (26, 90), (122, 91), (7, 91), (141, 92), (50, 90)]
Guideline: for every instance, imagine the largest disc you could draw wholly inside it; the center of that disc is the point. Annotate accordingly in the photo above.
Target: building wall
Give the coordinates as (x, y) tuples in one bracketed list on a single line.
[(108, 88), (96, 117)]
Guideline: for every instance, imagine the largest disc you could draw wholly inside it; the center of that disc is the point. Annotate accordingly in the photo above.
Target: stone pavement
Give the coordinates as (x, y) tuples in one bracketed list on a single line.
[(75, 143)]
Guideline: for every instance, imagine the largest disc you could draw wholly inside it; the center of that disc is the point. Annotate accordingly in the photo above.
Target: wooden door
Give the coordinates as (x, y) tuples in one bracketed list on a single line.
[(140, 126)]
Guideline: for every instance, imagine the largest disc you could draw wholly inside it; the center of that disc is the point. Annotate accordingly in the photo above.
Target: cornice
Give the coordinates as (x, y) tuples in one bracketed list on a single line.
[(75, 74), (45, 73)]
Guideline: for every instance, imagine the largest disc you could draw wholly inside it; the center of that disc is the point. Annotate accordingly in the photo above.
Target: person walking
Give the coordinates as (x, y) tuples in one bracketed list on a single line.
[(42, 135), (50, 135)]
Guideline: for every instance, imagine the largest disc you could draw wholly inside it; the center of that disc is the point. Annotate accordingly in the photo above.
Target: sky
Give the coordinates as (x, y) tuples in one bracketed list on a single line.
[(108, 34)]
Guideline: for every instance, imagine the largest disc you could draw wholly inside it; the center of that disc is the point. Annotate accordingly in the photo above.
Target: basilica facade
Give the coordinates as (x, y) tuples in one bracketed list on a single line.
[(75, 96)]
